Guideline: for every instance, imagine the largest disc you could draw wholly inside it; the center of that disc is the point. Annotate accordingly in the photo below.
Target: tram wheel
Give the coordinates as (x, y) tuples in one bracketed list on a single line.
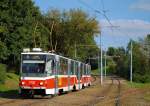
[(74, 88)]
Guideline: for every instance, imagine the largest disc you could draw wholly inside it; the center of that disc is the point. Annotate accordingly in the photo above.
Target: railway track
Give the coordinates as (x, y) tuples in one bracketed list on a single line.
[(109, 94), (118, 97), (105, 95), (94, 79), (100, 96)]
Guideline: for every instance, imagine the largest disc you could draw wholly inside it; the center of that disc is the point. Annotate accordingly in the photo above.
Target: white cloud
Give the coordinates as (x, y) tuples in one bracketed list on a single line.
[(129, 28), (141, 5)]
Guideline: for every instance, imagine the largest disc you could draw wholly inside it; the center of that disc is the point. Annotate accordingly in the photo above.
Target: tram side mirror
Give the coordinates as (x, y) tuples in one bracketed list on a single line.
[(53, 64)]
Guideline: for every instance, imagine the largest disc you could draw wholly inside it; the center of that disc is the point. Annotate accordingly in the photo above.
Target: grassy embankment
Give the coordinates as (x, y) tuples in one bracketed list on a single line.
[(141, 86), (138, 85), (95, 72), (132, 85), (11, 84)]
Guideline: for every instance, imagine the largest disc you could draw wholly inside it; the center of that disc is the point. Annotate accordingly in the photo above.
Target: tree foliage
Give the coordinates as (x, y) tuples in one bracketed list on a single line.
[(141, 60), (16, 26), (22, 25), (68, 28), (2, 73)]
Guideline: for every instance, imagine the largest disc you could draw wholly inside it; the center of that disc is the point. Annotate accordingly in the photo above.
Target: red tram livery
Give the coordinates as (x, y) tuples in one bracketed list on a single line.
[(44, 73)]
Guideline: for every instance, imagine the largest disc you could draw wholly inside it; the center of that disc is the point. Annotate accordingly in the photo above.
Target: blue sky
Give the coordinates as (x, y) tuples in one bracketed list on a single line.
[(132, 17)]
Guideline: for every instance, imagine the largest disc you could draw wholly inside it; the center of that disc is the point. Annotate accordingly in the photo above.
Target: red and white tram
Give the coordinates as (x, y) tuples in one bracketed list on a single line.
[(44, 73)]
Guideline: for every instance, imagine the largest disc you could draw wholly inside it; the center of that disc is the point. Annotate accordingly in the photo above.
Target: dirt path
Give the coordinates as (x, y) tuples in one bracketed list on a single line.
[(111, 93)]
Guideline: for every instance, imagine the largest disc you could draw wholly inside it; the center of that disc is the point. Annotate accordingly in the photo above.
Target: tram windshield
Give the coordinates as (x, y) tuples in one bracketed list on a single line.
[(33, 64), (33, 67)]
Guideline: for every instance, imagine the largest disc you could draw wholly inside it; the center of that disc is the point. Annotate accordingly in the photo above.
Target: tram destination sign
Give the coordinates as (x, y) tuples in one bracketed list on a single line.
[(33, 57)]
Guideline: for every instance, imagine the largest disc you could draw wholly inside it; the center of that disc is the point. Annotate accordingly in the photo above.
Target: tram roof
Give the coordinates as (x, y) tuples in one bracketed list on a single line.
[(40, 53), (47, 53)]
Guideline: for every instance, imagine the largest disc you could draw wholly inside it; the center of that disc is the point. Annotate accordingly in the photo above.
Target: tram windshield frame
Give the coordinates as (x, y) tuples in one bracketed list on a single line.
[(33, 65)]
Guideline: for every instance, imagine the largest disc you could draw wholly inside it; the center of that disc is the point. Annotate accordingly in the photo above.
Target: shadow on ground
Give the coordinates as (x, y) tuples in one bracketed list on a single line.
[(10, 94), (13, 94)]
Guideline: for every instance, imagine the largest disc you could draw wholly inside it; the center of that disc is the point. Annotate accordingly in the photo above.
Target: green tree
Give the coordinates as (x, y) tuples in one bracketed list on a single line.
[(111, 66), (111, 51), (23, 26), (118, 61), (17, 18), (72, 27), (2, 73), (3, 52), (140, 63)]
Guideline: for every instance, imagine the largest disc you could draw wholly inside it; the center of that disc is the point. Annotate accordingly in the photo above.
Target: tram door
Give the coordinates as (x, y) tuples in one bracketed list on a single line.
[(52, 69), (77, 69), (57, 66), (78, 73), (69, 73)]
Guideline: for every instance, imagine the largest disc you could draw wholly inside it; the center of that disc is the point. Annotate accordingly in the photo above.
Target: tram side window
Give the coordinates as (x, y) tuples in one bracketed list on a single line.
[(84, 69), (63, 66), (81, 69), (88, 72), (51, 65), (72, 68), (77, 70)]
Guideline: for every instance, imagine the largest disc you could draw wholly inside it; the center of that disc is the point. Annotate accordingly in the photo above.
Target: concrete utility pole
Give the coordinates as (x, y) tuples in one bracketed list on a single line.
[(131, 63), (75, 51), (98, 61), (101, 60), (105, 64)]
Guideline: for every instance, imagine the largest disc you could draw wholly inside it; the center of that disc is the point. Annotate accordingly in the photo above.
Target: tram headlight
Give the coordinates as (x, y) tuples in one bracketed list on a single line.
[(22, 82), (41, 83)]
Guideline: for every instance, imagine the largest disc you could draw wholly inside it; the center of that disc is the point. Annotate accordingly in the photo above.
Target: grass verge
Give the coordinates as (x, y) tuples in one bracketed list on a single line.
[(147, 96), (138, 85), (10, 85), (95, 72), (143, 86)]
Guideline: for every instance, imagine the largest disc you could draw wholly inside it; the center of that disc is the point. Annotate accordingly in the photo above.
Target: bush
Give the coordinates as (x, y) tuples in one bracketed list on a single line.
[(147, 78), (2, 73), (141, 78)]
